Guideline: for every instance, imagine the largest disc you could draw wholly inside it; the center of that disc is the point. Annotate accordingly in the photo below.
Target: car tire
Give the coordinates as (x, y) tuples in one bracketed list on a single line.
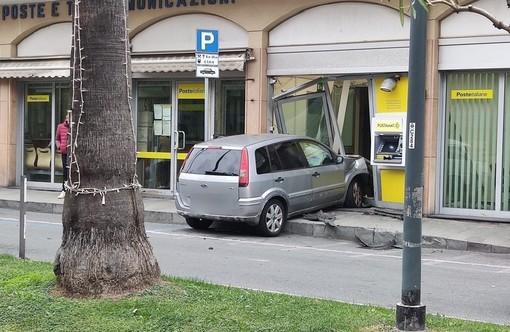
[(199, 223), (354, 198), (272, 218)]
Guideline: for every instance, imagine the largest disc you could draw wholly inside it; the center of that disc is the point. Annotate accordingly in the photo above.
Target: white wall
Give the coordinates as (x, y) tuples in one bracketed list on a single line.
[(341, 23), (470, 41), (341, 38), (178, 33), (467, 24), (53, 40)]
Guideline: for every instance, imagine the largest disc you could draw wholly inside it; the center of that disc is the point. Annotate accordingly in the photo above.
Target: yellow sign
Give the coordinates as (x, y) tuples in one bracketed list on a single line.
[(191, 91), (472, 94), (388, 126), (38, 98)]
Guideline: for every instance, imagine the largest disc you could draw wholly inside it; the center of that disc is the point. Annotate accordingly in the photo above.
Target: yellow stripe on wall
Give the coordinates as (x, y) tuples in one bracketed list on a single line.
[(160, 155)]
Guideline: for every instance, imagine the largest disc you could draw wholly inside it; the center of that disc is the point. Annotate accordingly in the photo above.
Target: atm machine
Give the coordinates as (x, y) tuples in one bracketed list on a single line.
[(388, 140), (388, 158), (388, 149)]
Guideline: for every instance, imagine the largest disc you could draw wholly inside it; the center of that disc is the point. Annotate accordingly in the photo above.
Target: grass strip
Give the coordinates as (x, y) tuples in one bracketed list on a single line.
[(184, 305)]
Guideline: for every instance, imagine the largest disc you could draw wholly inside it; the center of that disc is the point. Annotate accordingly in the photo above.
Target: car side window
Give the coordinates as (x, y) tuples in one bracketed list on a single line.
[(276, 164), (262, 161), (290, 155), (315, 154)]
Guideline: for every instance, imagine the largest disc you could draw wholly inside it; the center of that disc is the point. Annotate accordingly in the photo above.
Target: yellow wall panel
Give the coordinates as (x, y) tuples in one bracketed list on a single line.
[(394, 101), (392, 185)]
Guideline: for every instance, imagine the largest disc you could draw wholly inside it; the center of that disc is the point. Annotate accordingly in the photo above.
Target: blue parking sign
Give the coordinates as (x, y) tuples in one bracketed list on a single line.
[(207, 41)]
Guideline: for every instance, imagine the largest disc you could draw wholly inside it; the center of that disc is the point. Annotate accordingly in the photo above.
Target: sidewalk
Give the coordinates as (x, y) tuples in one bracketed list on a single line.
[(369, 227)]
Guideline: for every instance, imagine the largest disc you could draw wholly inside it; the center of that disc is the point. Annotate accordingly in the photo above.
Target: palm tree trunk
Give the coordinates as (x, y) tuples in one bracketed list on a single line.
[(105, 249)]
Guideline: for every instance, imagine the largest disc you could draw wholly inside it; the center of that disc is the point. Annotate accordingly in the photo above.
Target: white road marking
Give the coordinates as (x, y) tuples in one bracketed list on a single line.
[(425, 261)]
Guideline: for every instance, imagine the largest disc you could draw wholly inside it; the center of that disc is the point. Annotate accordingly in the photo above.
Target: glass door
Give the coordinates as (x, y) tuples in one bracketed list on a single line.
[(306, 115), (332, 110), (153, 134), (171, 118), (307, 110), (45, 106), (191, 121)]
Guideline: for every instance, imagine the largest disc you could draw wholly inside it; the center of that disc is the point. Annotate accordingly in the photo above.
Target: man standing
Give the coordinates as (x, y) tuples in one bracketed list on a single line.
[(61, 141)]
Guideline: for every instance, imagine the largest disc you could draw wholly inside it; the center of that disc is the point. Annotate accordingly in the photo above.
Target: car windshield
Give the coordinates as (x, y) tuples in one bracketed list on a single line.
[(213, 161)]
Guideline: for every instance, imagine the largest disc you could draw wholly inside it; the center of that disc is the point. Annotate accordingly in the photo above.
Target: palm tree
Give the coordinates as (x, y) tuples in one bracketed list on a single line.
[(104, 249)]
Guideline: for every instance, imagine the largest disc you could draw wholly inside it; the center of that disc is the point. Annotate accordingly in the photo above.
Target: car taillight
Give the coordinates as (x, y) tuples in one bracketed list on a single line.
[(244, 170), (183, 163)]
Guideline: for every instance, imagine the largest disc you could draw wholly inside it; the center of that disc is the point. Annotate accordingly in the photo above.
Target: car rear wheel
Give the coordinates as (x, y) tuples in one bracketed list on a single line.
[(354, 198), (198, 223), (272, 219)]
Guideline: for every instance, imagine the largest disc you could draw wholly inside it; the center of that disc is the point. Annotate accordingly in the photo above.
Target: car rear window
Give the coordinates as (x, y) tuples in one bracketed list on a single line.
[(213, 161)]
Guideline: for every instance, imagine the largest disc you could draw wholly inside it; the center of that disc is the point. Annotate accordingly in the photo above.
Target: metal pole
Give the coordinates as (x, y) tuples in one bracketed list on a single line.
[(22, 216), (207, 118), (410, 312)]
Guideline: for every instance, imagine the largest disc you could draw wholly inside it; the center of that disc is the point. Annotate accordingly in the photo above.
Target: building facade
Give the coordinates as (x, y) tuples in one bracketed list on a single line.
[(319, 68)]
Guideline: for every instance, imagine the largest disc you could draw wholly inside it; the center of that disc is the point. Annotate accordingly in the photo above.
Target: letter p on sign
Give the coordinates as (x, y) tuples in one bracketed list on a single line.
[(207, 41)]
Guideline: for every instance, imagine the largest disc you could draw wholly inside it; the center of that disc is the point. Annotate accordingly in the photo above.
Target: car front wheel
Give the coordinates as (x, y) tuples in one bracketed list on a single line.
[(354, 198), (272, 219), (198, 223)]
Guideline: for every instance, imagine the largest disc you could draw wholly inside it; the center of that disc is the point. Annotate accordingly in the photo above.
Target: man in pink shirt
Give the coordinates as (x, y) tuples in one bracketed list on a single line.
[(61, 142)]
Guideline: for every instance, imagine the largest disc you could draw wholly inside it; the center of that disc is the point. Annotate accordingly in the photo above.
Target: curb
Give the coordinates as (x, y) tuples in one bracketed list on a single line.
[(376, 238)]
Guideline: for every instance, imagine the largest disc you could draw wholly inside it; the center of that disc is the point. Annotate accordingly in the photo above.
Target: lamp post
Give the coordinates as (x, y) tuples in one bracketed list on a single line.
[(410, 312)]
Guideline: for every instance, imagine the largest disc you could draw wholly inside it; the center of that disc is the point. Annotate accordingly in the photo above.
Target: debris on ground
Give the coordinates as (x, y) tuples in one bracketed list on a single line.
[(327, 218), (379, 246), (393, 213)]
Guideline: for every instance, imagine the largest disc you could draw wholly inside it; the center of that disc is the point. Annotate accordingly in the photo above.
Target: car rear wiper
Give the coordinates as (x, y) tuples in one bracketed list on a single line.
[(219, 173)]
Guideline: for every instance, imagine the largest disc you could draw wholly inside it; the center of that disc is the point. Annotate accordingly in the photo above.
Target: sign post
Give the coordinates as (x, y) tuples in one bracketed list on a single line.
[(207, 67), (411, 313), (22, 216), (207, 54)]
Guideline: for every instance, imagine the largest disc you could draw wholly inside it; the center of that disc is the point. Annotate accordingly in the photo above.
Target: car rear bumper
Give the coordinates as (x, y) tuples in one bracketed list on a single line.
[(245, 211)]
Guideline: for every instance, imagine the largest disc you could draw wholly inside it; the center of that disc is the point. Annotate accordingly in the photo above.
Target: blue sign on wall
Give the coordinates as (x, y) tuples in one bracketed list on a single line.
[(207, 41)]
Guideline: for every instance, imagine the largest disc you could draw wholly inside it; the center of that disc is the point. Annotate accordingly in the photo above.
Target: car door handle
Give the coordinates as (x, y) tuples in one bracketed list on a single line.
[(316, 174), (279, 179)]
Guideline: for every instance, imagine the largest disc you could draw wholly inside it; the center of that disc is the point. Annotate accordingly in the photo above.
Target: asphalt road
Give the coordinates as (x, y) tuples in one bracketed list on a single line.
[(468, 285)]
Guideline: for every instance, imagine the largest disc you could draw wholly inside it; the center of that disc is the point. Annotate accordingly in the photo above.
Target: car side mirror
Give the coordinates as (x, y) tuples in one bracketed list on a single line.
[(339, 159)]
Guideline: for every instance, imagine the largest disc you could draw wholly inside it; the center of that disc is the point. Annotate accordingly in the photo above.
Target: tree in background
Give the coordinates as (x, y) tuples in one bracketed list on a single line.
[(105, 250), (456, 6)]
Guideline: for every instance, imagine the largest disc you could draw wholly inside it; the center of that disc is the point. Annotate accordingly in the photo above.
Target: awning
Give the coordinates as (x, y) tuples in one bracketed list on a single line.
[(185, 63), (34, 68), (232, 61), (348, 58)]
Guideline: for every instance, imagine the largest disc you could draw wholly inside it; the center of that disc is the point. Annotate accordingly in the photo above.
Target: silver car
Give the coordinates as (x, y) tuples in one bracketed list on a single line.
[(264, 179)]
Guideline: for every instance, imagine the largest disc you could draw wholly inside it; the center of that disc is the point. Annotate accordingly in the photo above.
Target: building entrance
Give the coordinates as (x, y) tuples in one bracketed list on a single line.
[(170, 119), (44, 107), (172, 116), (334, 111)]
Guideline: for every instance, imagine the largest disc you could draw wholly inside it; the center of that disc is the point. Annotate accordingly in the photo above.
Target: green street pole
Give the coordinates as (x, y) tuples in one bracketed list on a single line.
[(410, 312)]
